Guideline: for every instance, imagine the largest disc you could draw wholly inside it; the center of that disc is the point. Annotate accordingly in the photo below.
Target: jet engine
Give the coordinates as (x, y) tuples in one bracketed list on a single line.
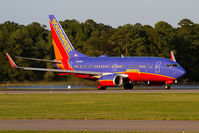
[(110, 80)]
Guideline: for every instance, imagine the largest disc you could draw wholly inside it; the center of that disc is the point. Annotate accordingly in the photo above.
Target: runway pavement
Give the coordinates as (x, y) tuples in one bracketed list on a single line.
[(101, 125), (100, 91)]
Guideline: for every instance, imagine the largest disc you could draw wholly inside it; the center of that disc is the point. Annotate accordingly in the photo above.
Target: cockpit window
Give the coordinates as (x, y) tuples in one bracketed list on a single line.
[(172, 65)]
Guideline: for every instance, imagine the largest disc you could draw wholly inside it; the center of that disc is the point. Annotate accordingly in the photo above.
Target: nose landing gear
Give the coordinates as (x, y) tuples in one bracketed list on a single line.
[(167, 86)]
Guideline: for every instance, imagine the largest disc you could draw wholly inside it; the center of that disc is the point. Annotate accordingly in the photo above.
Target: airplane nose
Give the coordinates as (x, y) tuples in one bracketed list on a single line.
[(178, 72), (181, 72)]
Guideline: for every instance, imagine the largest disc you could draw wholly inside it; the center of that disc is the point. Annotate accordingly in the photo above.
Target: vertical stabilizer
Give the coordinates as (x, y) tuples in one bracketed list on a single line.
[(62, 46)]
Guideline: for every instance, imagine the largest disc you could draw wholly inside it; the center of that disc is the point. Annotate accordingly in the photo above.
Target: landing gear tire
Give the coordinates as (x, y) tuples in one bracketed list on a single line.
[(99, 87), (167, 86), (128, 86)]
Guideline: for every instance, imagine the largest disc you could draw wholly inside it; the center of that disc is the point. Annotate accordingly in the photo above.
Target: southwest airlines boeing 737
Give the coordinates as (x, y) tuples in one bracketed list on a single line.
[(108, 71)]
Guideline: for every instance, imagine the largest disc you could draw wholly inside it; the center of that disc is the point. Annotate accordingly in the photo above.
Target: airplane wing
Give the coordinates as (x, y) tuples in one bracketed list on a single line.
[(12, 63)]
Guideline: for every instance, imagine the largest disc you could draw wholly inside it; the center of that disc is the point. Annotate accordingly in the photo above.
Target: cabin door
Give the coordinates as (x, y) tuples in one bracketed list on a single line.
[(157, 67)]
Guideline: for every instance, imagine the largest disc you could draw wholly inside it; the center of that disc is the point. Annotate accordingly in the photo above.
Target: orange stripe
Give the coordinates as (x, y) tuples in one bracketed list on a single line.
[(59, 53)]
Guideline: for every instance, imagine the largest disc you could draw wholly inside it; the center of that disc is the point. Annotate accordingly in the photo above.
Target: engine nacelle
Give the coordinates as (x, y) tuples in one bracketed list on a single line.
[(110, 80)]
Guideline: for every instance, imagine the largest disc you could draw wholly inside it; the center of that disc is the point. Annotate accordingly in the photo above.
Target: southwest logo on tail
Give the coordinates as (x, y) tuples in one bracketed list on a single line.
[(62, 46), (107, 71)]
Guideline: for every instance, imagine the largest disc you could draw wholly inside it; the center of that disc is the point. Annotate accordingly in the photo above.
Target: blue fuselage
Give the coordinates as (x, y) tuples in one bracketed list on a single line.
[(130, 65)]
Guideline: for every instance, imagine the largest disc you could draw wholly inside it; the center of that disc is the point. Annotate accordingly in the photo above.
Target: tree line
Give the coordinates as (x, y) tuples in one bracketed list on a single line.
[(95, 39)]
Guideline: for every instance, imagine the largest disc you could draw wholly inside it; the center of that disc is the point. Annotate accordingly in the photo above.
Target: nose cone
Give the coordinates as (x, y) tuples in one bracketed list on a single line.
[(180, 72)]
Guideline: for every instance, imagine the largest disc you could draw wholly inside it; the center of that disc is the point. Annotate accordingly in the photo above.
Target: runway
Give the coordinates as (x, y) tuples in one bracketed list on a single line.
[(101, 125), (99, 91)]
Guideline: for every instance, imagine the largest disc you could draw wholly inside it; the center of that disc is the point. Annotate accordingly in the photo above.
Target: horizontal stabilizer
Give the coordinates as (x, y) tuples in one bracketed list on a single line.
[(35, 59)]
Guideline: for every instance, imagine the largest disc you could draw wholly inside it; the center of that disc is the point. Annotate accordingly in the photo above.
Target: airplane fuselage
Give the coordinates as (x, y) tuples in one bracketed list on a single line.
[(137, 68)]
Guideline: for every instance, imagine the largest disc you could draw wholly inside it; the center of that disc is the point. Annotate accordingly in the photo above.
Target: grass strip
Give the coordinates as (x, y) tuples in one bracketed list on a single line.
[(116, 106)]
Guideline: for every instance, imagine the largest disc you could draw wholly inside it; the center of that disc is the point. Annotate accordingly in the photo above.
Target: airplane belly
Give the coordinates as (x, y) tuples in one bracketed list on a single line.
[(142, 76), (154, 77), (133, 76)]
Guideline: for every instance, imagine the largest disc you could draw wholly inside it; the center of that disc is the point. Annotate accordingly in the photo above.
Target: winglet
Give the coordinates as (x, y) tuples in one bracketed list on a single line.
[(172, 56), (12, 63)]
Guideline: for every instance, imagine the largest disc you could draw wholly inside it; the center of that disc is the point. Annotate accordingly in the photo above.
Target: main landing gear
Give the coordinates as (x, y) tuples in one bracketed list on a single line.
[(128, 86), (99, 87)]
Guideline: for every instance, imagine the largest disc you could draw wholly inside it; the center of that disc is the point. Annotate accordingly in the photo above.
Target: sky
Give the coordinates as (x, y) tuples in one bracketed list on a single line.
[(111, 12)]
